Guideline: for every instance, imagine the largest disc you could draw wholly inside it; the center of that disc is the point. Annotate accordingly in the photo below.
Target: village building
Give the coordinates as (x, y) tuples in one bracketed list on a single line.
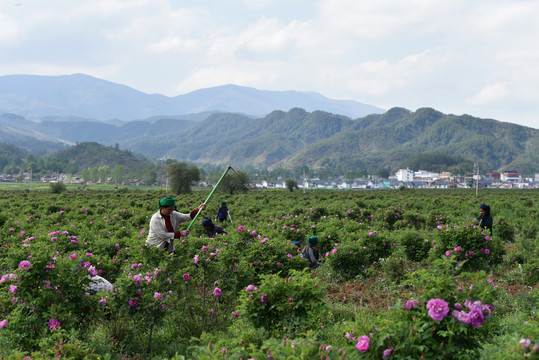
[(405, 175)]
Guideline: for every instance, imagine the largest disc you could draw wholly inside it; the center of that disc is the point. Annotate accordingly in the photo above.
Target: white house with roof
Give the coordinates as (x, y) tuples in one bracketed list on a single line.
[(511, 176), (423, 175)]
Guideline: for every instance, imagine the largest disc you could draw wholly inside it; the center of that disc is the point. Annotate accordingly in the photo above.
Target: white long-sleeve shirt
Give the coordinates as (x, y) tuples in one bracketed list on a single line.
[(158, 235)]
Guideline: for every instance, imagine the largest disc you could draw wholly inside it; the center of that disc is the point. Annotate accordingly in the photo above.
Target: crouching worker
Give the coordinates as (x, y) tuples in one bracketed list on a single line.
[(211, 229), (310, 251), (164, 223)]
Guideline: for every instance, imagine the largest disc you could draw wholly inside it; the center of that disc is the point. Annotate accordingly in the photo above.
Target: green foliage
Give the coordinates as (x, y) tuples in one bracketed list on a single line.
[(284, 305), (433, 161), (415, 333), (234, 182), (468, 242), (395, 267), (349, 261), (182, 177), (504, 230), (91, 154), (291, 184), (361, 233), (57, 188), (415, 247)]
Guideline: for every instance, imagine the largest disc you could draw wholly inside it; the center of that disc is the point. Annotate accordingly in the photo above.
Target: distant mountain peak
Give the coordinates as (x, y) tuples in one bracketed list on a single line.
[(81, 95)]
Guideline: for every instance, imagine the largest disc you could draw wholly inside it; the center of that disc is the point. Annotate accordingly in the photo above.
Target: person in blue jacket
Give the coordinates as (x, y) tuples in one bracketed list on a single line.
[(222, 213)]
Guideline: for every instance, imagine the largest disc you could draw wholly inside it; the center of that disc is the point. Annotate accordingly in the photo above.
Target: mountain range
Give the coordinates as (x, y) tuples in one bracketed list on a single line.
[(282, 138), (83, 96)]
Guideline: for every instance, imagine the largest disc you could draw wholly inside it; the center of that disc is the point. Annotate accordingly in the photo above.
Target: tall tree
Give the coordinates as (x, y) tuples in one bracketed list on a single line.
[(182, 177), (85, 175), (150, 174), (118, 174), (234, 182), (291, 184), (103, 173), (94, 174)]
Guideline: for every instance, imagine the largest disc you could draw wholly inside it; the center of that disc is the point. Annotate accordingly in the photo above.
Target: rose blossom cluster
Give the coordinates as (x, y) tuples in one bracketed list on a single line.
[(476, 314)]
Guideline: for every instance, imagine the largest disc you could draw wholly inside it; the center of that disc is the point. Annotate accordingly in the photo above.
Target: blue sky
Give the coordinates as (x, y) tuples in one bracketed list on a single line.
[(458, 56)]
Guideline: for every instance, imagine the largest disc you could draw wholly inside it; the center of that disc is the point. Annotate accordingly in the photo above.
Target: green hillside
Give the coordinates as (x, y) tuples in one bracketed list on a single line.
[(92, 154), (391, 139), (322, 140)]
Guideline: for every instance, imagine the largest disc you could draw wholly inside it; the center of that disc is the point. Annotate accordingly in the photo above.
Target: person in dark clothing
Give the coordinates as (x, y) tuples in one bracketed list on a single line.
[(311, 252), (222, 213), (298, 247), (212, 229), (484, 219)]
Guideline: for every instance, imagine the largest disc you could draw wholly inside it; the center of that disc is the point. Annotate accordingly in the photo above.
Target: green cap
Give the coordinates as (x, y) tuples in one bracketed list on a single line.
[(312, 240), (166, 202), (223, 202)]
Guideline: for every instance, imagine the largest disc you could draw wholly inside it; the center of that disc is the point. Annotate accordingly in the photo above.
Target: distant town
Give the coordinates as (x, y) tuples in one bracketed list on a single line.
[(421, 179), (406, 178)]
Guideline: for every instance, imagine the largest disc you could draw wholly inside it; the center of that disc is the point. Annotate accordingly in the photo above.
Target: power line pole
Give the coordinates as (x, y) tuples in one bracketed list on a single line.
[(476, 167)]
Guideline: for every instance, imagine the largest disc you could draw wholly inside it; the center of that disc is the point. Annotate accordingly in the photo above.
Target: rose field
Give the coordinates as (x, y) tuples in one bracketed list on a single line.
[(404, 275)]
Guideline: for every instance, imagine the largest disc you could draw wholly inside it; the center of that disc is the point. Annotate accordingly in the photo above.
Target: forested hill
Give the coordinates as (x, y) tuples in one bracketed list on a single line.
[(92, 154), (390, 140), (398, 138)]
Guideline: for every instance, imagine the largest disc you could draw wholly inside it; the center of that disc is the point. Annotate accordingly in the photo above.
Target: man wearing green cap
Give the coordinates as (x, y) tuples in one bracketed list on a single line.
[(164, 223), (310, 251)]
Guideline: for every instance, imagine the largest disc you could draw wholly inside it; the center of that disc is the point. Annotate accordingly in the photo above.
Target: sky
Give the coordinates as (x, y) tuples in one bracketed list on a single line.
[(477, 57)]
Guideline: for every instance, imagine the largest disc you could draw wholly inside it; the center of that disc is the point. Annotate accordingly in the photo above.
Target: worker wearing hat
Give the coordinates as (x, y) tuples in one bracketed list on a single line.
[(211, 229), (164, 224), (311, 252), (222, 212)]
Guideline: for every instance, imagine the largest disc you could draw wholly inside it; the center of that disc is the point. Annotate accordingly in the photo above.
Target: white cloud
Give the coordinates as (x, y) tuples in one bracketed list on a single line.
[(386, 52), (174, 44), (267, 36), (381, 19), (489, 94), (9, 29)]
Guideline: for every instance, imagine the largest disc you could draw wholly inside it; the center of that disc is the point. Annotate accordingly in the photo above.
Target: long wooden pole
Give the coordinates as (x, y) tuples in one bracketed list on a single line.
[(211, 193)]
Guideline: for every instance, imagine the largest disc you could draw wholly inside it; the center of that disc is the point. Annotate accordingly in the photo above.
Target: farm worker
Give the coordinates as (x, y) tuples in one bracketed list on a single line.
[(298, 246), (222, 212), (211, 229), (310, 251), (164, 223), (485, 220)]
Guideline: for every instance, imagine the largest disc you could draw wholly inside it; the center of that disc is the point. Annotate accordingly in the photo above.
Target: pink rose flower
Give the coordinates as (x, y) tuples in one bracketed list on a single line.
[(24, 265), (363, 343), (438, 309), (53, 324)]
